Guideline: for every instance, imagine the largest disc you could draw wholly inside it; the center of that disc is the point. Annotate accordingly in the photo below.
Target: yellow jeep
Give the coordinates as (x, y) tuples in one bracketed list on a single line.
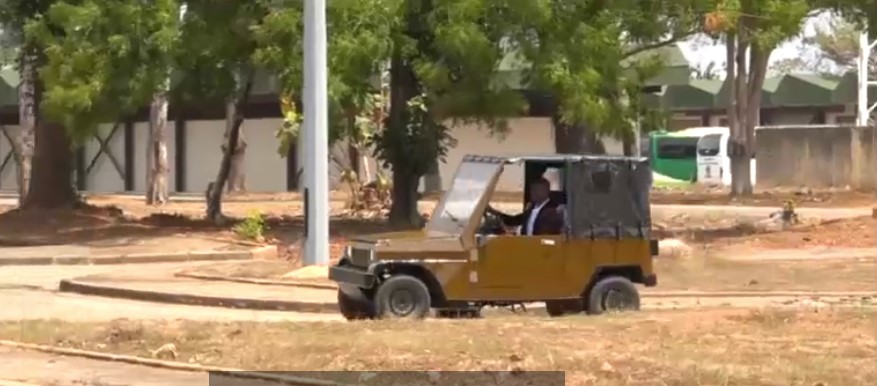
[(462, 260)]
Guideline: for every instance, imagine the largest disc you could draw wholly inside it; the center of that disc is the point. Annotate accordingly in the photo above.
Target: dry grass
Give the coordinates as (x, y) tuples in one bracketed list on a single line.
[(706, 347), (715, 274)]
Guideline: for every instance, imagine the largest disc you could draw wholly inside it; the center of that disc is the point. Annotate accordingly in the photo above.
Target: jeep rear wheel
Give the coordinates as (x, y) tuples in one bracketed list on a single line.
[(612, 293), (402, 297), (354, 309)]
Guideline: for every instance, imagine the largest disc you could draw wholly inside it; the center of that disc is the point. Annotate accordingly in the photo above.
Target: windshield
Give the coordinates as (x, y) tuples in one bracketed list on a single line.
[(677, 147), (470, 184), (709, 145)]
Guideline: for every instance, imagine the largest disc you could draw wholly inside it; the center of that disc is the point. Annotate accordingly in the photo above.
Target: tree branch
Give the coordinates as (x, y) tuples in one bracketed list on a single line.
[(675, 38)]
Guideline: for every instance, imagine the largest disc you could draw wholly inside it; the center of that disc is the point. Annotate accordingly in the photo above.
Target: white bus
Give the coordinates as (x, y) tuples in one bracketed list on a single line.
[(713, 162)]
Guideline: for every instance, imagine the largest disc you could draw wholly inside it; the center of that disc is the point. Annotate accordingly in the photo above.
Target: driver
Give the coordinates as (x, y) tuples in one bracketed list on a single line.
[(541, 216)]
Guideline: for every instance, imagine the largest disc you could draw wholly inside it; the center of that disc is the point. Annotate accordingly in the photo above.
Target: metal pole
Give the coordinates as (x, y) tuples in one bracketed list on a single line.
[(864, 51), (316, 134)]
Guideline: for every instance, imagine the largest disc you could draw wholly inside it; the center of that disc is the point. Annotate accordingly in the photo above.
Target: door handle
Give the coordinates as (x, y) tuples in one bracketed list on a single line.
[(548, 242)]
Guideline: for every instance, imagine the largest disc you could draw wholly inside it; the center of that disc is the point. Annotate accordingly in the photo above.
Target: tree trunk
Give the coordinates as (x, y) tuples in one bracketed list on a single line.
[(628, 143), (156, 154), (23, 143), (404, 207), (51, 185), (738, 152), (406, 180), (237, 173), (575, 138), (214, 190)]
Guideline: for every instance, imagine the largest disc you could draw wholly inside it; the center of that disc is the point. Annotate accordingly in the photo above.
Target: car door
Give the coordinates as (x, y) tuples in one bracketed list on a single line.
[(520, 267)]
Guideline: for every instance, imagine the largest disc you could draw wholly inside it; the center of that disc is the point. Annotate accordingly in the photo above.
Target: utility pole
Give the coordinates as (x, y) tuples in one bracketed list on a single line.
[(316, 135), (865, 107)]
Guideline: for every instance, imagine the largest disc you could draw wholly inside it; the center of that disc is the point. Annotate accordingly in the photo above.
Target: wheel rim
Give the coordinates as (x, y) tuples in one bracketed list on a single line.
[(616, 300), (402, 302)]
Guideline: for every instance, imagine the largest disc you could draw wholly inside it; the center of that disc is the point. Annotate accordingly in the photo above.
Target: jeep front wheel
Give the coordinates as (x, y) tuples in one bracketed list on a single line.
[(354, 309), (612, 293), (402, 297)]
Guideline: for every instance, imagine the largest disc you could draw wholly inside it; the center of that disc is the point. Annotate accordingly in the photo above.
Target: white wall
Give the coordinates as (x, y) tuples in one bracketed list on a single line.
[(266, 169), (104, 177), (8, 177)]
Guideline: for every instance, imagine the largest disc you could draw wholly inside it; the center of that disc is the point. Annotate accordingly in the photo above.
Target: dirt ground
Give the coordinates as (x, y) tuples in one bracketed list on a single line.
[(703, 347), (109, 216), (694, 273)]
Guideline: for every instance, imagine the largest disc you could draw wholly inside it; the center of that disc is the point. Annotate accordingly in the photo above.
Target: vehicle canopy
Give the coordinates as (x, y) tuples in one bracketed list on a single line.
[(605, 196)]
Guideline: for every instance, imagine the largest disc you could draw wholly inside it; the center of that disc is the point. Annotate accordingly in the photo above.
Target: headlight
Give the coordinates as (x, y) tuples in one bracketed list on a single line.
[(348, 251)]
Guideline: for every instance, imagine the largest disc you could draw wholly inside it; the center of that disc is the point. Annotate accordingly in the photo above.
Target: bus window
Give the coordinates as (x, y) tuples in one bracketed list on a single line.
[(710, 145), (677, 147)]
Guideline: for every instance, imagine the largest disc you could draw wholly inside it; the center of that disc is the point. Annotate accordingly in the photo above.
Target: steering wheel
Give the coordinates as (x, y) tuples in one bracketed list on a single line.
[(491, 224)]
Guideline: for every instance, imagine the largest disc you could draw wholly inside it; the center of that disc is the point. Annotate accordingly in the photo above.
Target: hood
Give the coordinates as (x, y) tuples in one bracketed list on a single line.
[(396, 237)]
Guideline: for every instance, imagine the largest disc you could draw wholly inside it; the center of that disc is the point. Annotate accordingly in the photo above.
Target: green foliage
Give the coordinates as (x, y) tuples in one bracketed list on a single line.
[(588, 55), (413, 147), (252, 228), (103, 58)]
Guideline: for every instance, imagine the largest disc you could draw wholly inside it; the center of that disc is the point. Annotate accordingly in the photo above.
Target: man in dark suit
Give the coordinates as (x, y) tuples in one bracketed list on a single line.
[(542, 216)]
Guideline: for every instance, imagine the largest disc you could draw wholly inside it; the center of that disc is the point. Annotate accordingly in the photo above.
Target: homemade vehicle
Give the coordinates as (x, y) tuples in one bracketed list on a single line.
[(464, 259)]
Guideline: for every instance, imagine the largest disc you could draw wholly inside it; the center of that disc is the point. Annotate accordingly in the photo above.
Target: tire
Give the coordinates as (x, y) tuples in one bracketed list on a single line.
[(354, 309), (402, 297), (612, 293), (563, 307)]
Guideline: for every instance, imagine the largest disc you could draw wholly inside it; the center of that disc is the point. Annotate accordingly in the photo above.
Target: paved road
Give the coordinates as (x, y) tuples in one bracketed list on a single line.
[(30, 292)]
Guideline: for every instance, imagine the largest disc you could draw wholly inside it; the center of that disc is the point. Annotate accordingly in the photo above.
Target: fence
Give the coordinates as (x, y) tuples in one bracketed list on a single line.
[(816, 156)]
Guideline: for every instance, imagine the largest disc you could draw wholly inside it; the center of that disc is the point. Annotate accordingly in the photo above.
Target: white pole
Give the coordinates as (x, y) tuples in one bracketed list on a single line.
[(316, 118), (864, 54)]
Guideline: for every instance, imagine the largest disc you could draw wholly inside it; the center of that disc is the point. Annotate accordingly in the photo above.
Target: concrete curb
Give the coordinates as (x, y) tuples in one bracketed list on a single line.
[(263, 252), (85, 288), (169, 365), (286, 283)]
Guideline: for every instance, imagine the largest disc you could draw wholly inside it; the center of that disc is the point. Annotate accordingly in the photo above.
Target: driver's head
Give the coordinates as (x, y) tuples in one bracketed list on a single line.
[(540, 190)]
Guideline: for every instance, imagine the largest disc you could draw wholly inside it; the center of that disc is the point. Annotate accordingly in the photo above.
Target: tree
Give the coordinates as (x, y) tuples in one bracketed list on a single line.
[(14, 14), (443, 63), (587, 56), (756, 28), (224, 37), (102, 61), (838, 44)]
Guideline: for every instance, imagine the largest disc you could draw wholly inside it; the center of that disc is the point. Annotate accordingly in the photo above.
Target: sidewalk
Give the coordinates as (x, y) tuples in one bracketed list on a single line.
[(25, 367), (164, 287), (124, 250)]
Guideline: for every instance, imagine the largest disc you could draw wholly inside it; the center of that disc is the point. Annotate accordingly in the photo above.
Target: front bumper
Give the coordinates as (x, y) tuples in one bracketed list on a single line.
[(351, 276)]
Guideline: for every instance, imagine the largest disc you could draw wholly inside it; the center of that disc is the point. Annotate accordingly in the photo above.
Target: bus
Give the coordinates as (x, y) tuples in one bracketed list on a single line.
[(713, 162), (674, 153)]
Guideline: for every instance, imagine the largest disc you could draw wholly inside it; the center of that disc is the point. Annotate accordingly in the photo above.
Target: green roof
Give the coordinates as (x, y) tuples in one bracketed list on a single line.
[(788, 90)]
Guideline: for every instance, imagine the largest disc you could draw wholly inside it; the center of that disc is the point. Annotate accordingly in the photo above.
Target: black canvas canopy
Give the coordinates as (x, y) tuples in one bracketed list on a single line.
[(608, 197)]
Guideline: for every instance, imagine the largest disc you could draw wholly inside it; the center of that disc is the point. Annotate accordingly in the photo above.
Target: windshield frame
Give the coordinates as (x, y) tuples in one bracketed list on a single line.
[(465, 217)]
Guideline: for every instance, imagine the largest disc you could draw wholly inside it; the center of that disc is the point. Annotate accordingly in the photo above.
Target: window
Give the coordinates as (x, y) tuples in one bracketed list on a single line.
[(602, 181), (709, 145), (677, 148)]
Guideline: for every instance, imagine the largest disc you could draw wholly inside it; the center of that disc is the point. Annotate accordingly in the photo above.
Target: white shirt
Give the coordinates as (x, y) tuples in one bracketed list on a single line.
[(528, 230)]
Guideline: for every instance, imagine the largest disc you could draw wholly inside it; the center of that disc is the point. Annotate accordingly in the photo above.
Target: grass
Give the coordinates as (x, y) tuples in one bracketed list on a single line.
[(705, 347), (713, 274)]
